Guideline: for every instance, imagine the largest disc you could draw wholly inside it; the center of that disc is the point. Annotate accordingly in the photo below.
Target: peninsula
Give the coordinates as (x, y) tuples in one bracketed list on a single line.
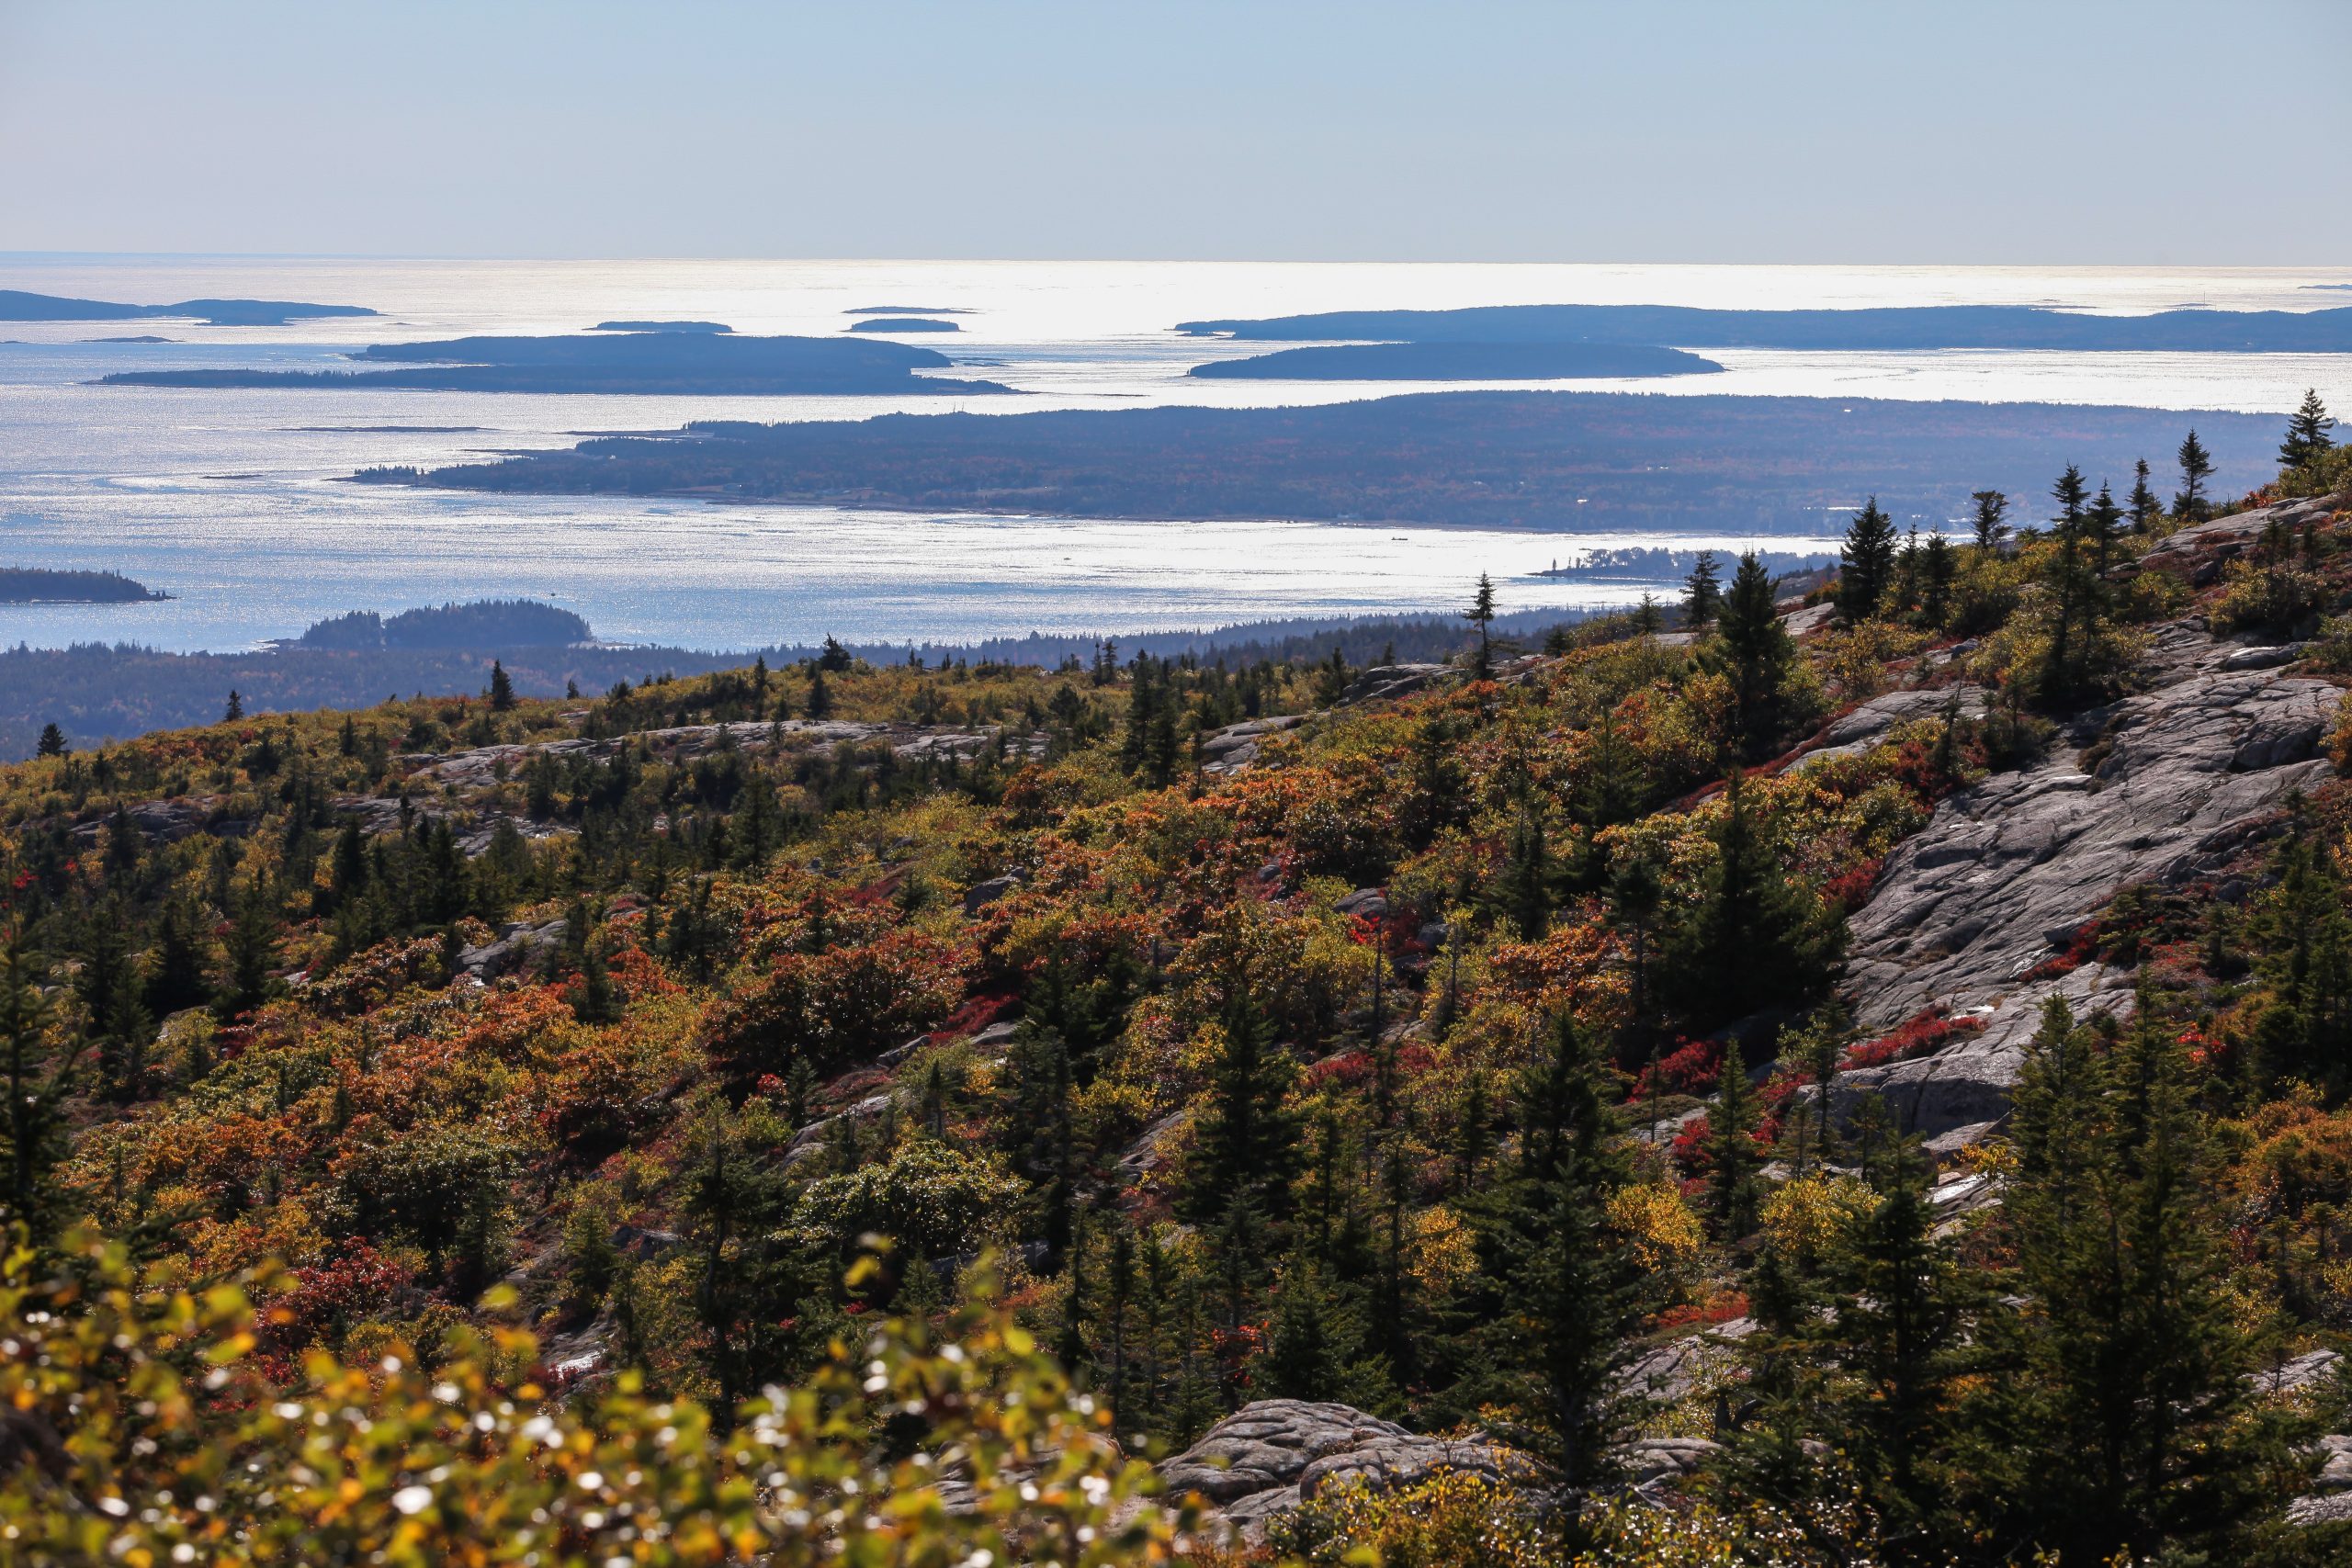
[(672, 364), (1908, 327), (1459, 362), (40, 585), (1569, 460), (18, 306)]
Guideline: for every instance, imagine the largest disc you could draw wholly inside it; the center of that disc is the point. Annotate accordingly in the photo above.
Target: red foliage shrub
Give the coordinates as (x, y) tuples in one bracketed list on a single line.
[(1850, 890), (1690, 1069), (1928, 1030), (1707, 1313)]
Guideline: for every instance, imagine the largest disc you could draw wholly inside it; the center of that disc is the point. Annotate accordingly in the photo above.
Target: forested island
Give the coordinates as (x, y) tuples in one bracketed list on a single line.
[(1459, 362), (1904, 327), (18, 306), (42, 585), (902, 324), (662, 327), (1527, 459), (486, 622), (670, 363)]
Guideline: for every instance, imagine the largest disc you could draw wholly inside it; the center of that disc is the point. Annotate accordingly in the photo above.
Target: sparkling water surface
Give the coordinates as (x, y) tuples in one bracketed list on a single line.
[(233, 499)]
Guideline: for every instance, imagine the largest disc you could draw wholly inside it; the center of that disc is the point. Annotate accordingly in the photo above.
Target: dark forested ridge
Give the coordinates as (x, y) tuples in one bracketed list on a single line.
[(18, 306), (1900, 327), (678, 363), (1459, 362), (1564, 460)]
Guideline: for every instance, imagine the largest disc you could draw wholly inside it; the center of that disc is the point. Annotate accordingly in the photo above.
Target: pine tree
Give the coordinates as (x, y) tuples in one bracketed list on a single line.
[(2125, 1405), (2307, 434), (1557, 1297), (52, 741), (1247, 1143), (1646, 620), (1753, 649), (2143, 506), (252, 952), (502, 688), (40, 1076), (236, 708), (1865, 564), (1754, 938), (1992, 527), (1937, 571), (1524, 891), (2071, 588), (1734, 1183), (2102, 528), (1481, 613), (2190, 504), (821, 697), (2305, 942), (1703, 594)]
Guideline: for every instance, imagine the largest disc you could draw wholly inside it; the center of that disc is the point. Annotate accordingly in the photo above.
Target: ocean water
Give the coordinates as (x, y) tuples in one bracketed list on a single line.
[(232, 499)]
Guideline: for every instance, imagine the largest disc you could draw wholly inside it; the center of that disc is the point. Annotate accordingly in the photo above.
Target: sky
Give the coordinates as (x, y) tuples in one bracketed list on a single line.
[(2056, 131)]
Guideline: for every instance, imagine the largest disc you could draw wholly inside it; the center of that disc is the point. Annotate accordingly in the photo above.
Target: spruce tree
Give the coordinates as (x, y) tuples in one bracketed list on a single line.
[(2307, 434), (2102, 528), (40, 1076), (2124, 1420), (1866, 564), (821, 697), (1703, 594), (1992, 527), (502, 688), (1735, 1182), (1524, 891), (236, 708), (2190, 504), (1937, 571), (1753, 649), (1754, 938), (1246, 1146), (1558, 1296), (51, 743), (1481, 613), (2143, 506)]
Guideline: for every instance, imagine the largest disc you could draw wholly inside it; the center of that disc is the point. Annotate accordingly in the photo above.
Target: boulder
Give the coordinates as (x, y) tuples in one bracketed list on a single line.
[(1236, 746), (1386, 681), (2188, 775), (1868, 723), (981, 895), (518, 946), (1273, 1454), (1370, 902), (1671, 1370)]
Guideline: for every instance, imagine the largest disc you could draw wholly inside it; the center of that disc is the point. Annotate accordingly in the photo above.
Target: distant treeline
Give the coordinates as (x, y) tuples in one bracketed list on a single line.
[(98, 694), (1554, 460), (40, 585), (1653, 563)]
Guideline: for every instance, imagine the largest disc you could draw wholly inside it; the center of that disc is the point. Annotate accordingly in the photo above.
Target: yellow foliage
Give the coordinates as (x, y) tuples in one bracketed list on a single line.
[(1804, 1218), (1657, 1224)]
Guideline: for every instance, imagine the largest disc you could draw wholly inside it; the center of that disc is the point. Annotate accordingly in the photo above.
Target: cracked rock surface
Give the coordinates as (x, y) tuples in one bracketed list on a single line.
[(1969, 911)]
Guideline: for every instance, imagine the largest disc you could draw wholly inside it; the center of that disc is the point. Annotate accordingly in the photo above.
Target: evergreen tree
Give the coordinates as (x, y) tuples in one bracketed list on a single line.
[(40, 1077), (1753, 649), (1247, 1144), (2102, 528), (1703, 594), (1646, 620), (1559, 1295), (834, 657), (235, 710), (2305, 942), (1937, 571), (1754, 938), (1735, 1181), (2307, 434), (2124, 1411), (1481, 613), (1992, 525), (821, 697), (2071, 586), (1866, 564), (2143, 506), (252, 952), (2190, 504), (52, 741), (1524, 891)]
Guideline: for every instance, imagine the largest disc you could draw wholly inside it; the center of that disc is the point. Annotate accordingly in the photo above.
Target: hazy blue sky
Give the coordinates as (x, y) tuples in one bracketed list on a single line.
[(1762, 131)]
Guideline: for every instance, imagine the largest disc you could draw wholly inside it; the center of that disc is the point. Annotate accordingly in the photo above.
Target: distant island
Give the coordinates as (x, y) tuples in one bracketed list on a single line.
[(484, 623), (40, 585), (143, 337), (906, 311), (662, 327), (1568, 460), (18, 306), (903, 324), (1459, 362), (1907, 327), (674, 364)]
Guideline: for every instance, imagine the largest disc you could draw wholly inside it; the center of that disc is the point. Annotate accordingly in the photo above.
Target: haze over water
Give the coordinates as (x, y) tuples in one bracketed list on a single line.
[(232, 498)]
